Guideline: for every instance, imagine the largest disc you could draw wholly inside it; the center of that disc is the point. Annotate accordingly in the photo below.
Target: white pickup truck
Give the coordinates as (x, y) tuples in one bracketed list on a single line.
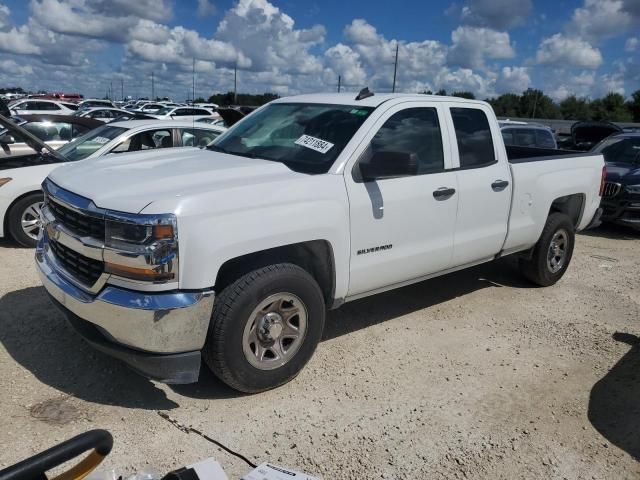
[(233, 254)]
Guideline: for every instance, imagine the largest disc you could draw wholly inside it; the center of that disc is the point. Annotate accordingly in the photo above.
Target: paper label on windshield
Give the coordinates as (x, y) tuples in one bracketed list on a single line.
[(314, 143), (101, 140)]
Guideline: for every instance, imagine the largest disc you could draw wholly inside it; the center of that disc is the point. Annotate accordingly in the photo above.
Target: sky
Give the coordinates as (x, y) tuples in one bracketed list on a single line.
[(564, 47)]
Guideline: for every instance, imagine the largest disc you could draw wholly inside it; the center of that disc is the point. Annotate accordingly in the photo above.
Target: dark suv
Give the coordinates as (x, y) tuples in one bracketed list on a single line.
[(621, 199)]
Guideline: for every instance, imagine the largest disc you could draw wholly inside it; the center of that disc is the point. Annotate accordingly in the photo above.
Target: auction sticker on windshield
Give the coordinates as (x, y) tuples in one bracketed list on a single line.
[(314, 143)]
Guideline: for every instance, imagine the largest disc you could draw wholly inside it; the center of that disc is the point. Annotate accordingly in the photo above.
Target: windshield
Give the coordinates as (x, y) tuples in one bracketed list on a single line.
[(306, 137), (164, 111), (90, 142), (620, 149)]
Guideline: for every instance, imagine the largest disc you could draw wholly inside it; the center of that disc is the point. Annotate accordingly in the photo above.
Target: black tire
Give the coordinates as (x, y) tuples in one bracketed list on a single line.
[(537, 269), (223, 352), (14, 219)]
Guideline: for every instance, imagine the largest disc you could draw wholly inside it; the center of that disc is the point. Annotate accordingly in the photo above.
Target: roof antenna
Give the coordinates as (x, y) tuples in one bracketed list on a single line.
[(364, 93)]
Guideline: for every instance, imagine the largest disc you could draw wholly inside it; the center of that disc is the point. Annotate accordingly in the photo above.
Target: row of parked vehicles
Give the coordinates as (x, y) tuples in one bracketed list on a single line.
[(233, 252)]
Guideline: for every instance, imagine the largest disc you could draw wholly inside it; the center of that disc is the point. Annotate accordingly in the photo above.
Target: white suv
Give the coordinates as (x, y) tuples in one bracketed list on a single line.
[(34, 106)]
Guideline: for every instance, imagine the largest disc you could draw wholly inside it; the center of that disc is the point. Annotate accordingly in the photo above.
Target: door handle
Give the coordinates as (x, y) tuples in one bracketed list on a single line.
[(499, 185), (443, 193)]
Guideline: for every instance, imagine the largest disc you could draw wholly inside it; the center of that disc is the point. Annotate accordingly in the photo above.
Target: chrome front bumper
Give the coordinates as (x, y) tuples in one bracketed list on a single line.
[(161, 322)]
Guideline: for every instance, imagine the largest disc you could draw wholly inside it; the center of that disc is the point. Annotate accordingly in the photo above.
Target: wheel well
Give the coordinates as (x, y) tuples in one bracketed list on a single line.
[(5, 222), (316, 257), (570, 205)]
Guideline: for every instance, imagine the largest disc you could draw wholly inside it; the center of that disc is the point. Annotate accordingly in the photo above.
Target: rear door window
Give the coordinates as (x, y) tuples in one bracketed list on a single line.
[(197, 137), (475, 144), (544, 139), (525, 137)]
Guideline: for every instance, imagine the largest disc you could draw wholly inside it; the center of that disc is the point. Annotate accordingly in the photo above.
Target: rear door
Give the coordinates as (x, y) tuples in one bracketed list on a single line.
[(400, 231), (484, 184)]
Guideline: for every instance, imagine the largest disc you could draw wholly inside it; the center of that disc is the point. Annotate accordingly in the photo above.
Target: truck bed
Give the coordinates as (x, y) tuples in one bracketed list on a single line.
[(517, 154)]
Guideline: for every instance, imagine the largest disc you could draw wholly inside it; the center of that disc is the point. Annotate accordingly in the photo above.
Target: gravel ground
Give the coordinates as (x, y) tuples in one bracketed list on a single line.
[(472, 375)]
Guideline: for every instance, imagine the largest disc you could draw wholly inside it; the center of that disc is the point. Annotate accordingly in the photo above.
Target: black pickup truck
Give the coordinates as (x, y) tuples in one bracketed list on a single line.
[(621, 199)]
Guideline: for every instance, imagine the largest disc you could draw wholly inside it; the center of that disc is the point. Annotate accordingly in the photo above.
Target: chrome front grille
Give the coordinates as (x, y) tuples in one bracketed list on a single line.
[(85, 269), (79, 223), (611, 189)]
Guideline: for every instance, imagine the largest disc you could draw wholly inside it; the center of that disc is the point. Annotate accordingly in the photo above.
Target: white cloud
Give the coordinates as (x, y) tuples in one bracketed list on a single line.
[(342, 60), (4, 17), (631, 44), (156, 10), (268, 37), (472, 45), (565, 51), (495, 14), (513, 79), (206, 8), (599, 19)]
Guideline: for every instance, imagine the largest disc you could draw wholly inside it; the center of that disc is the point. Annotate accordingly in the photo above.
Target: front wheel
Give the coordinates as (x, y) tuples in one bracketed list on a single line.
[(265, 327), (552, 253)]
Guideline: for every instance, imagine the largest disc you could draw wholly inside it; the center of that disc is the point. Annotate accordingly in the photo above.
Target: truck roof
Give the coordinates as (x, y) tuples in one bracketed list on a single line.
[(374, 100)]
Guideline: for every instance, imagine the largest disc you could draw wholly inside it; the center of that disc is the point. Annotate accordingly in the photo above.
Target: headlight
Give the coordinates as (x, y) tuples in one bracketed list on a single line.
[(633, 188), (142, 247)]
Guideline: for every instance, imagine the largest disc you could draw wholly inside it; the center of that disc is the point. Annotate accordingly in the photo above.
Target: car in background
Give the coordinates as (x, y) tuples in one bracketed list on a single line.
[(21, 176), (105, 114), (151, 108), (54, 130), (137, 135), (523, 134), (182, 113), (69, 105), (95, 102), (33, 106), (586, 135), (209, 106), (621, 195)]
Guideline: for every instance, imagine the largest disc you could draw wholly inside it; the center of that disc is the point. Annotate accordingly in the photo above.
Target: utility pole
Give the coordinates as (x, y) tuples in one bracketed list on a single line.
[(395, 69), (193, 81), (122, 88), (153, 87), (111, 90), (235, 84), (339, 82)]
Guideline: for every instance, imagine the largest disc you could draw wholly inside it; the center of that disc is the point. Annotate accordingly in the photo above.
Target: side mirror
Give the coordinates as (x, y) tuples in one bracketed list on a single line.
[(7, 139), (389, 165)]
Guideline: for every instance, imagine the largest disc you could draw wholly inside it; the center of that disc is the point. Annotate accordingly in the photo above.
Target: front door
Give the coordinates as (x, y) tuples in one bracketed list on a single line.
[(399, 230)]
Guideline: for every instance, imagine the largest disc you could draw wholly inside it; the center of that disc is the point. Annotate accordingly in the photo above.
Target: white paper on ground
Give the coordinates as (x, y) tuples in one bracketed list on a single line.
[(266, 471), (209, 469)]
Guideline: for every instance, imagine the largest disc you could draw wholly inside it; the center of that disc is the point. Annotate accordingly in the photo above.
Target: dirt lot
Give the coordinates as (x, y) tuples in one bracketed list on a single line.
[(474, 375)]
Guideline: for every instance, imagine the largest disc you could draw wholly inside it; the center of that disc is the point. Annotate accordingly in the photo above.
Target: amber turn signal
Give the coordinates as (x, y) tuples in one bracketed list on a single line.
[(162, 231), (138, 273)]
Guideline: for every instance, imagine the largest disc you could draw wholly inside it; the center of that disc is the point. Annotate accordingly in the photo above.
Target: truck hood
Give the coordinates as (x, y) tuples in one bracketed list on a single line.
[(130, 182), (623, 173)]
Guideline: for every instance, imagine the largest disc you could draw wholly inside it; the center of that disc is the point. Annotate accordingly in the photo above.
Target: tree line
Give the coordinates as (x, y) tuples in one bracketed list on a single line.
[(534, 103)]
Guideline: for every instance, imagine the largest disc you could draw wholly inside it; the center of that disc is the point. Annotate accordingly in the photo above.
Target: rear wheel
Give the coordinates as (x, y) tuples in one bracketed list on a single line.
[(24, 219), (265, 327), (552, 253)]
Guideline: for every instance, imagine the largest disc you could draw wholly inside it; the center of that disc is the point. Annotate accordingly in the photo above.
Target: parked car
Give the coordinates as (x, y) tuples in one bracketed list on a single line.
[(182, 113), (105, 114), (95, 102), (585, 135), (151, 108), (621, 198), (55, 130), (21, 175), (35, 106), (527, 135), (233, 253)]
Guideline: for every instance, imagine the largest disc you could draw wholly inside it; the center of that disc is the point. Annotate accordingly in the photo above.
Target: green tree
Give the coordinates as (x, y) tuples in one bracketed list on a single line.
[(611, 108), (442, 92), (574, 108), (468, 95), (535, 104), (633, 106), (506, 105)]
